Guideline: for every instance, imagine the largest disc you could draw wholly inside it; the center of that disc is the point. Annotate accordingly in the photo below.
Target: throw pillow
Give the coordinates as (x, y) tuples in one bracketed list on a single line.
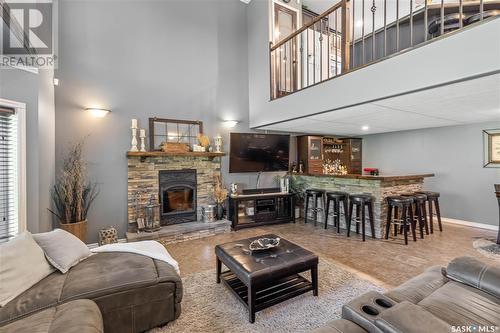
[(22, 264), (62, 249)]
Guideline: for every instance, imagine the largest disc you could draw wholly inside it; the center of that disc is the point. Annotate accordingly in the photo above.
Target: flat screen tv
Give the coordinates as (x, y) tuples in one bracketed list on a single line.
[(253, 152)]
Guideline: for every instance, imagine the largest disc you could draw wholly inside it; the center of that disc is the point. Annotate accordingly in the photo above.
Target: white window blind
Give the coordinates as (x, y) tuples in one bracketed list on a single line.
[(9, 196)]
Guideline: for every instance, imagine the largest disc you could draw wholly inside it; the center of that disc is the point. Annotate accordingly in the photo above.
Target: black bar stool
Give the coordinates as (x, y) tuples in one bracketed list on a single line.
[(361, 201), (433, 197), (338, 198), (419, 211), (315, 195), (405, 205)]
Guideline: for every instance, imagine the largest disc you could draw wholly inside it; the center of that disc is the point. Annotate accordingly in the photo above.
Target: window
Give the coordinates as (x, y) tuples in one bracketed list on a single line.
[(12, 195)]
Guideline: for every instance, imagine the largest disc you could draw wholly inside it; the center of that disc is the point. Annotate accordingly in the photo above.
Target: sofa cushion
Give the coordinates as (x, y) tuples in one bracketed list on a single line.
[(43, 295), (133, 292), (62, 249), (406, 317), (461, 305), (81, 316), (419, 287), (23, 264), (115, 271), (476, 274)]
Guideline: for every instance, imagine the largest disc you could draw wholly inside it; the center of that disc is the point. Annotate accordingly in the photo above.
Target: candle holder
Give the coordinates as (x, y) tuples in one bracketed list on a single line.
[(134, 139), (143, 137), (218, 143)]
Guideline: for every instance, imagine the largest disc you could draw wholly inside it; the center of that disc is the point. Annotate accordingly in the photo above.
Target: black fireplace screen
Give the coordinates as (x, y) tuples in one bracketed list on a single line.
[(178, 199)]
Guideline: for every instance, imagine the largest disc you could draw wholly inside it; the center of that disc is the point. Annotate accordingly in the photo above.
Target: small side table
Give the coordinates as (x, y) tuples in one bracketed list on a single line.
[(497, 192)]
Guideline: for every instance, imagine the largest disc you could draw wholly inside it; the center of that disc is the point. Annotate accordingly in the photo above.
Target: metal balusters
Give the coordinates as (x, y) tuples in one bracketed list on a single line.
[(460, 13), (353, 36), (336, 44), (271, 70), (328, 20), (397, 25), (373, 10), (280, 72), (294, 64), (481, 9), (307, 56), (426, 21), (321, 50), (301, 60), (314, 53), (385, 27), (363, 32), (411, 23), (442, 18)]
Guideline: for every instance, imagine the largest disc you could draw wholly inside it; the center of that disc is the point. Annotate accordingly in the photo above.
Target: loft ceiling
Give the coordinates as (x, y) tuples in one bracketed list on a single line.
[(472, 101)]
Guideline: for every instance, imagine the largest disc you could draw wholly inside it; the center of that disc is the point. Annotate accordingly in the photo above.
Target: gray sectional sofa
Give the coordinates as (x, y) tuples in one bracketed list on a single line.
[(111, 292), (464, 295)]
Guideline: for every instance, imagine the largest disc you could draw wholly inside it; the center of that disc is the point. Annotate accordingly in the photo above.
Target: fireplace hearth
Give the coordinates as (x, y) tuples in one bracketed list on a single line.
[(177, 196)]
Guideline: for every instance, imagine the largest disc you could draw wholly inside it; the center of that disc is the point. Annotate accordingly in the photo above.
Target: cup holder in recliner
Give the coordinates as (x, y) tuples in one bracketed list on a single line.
[(370, 310), (383, 303)]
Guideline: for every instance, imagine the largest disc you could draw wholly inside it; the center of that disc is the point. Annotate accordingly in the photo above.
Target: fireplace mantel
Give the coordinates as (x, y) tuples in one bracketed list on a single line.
[(144, 155)]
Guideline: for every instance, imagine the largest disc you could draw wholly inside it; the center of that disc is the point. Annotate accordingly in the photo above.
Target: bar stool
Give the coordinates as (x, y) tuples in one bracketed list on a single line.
[(337, 198), (361, 201), (407, 219), (315, 195), (419, 211), (433, 197)]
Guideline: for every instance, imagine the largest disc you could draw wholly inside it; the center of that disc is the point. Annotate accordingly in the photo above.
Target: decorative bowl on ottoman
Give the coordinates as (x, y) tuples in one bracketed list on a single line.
[(263, 244)]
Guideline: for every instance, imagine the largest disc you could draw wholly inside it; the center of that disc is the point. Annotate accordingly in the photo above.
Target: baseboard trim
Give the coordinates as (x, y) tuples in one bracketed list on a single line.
[(470, 224)]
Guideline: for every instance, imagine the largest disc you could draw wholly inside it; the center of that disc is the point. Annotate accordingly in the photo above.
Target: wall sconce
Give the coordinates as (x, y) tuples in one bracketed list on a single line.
[(97, 113), (230, 123)]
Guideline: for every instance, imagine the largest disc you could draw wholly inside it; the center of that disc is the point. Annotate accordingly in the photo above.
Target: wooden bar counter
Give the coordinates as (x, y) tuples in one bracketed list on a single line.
[(380, 187)]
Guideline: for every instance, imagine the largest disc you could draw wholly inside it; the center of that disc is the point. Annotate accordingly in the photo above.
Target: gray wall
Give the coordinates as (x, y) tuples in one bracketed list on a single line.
[(171, 59), (454, 154), (36, 91)]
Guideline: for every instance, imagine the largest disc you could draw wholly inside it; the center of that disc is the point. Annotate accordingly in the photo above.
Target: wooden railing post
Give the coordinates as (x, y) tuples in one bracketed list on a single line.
[(346, 60)]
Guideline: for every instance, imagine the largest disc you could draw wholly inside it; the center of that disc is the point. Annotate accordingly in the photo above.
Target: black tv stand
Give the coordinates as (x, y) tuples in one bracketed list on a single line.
[(257, 207)]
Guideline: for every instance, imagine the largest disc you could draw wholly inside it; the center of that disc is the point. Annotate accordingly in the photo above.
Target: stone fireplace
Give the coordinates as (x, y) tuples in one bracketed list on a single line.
[(180, 184), (177, 196)]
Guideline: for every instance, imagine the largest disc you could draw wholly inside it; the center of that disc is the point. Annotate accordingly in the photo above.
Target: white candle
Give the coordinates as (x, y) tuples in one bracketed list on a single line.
[(134, 123), (143, 133)]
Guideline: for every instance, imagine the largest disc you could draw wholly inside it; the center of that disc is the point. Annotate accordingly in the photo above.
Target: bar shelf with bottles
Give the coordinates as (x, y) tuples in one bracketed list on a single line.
[(321, 155)]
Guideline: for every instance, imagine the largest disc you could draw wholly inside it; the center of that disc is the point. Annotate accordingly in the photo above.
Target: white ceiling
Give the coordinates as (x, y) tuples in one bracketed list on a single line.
[(472, 101)]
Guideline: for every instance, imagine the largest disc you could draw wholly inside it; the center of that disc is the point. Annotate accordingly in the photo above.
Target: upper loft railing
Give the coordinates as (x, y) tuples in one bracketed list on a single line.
[(355, 33)]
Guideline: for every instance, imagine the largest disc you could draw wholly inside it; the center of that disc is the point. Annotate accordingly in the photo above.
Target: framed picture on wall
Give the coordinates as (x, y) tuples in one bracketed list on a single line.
[(491, 146)]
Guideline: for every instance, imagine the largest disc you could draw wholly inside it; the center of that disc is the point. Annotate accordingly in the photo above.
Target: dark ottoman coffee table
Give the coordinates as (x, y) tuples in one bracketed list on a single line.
[(262, 279)]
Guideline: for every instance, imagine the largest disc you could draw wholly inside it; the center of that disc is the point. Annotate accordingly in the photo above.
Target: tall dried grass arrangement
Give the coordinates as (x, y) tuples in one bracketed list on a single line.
[(72, 194), (220, 192)]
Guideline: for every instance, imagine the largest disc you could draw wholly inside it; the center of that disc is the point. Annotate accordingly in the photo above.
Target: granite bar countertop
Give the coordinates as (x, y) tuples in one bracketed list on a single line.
[(370, 177)]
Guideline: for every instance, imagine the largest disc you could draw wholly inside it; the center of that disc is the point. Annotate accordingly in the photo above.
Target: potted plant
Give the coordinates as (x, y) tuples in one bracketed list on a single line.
[(72, 194)]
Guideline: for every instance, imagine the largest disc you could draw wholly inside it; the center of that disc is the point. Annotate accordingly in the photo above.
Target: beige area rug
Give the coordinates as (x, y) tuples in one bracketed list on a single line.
[(487, 247), (210, 307)]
